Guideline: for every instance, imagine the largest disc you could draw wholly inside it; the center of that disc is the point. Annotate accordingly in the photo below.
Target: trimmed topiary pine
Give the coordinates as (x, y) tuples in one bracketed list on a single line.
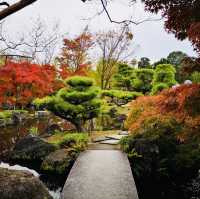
[(142, 82), (77, 102), (123, 78)]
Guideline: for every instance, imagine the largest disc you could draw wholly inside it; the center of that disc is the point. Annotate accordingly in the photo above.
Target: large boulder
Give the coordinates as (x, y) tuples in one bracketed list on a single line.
[(30, 151), (58, 162), (21, 185)]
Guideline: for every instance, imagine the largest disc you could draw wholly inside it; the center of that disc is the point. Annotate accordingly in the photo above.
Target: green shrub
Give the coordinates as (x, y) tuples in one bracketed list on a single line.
[(159, 87), (195, 77), (120, 97), (79, 82), (8, 113), (33, 131), (75, 140), (123, 78), (142, 80), (5, 114), (164, 77), (161, 164)]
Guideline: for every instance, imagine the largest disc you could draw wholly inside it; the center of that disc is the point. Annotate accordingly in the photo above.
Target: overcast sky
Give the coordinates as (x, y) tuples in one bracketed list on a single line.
[(151, 40)]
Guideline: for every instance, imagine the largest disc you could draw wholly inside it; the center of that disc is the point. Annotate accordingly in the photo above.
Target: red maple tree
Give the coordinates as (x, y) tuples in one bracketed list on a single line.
[(21, 82)]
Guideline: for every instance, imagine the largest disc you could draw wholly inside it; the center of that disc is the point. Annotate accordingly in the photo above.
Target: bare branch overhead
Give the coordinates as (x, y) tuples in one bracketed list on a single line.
[(14, 7)]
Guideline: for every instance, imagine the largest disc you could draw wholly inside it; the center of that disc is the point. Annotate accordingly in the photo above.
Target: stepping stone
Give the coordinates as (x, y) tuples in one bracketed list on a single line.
[(116, 137), (100, 139), (99, 146), (123, 133), (111, 142)]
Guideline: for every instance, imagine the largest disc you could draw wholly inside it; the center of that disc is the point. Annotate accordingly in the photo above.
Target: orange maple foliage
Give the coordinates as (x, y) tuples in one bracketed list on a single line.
[(74, 56), (181, 103), (65, 71)]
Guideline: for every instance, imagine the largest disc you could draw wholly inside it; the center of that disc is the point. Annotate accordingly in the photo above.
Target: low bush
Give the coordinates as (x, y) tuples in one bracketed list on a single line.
[(158, 88), (195, 77), (164, 77), (164, 146), (120, 97), (8, 113)]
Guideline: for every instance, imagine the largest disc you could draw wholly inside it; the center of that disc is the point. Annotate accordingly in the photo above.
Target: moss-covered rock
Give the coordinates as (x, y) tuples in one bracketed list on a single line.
[(21, 185), (58, 162), (31, 151)]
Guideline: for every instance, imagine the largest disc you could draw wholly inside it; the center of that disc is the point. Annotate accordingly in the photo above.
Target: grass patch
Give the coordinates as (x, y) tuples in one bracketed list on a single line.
[(8, 113), (77, 141)]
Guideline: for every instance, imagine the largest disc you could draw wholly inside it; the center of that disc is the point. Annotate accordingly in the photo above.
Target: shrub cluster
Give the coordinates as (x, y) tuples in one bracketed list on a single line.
[(164, 146), (164, 77), (120, 97)]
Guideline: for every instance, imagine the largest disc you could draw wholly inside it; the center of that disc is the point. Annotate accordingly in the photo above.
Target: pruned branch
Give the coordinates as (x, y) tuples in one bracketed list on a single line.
[(14, 7), (125, 21)]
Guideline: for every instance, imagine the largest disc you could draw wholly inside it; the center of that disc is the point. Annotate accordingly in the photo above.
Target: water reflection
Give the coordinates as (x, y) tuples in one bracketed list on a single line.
[(10, 134)]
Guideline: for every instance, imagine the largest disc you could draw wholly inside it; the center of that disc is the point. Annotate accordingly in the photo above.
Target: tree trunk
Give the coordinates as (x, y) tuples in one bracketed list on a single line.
[(79, 127)]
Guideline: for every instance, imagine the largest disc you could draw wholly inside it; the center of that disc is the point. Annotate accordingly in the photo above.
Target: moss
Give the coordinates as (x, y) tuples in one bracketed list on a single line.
[(60, 161)]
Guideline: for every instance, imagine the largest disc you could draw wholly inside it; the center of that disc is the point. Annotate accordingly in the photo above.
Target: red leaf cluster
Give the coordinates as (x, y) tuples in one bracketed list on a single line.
[(182, 18), (21, 82)]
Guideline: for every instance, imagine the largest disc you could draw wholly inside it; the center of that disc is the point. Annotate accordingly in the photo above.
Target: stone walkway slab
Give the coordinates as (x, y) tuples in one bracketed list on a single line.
[(100, 174), (99, 146), (123, 133), (116, 137), (100, 139), (110, 142)]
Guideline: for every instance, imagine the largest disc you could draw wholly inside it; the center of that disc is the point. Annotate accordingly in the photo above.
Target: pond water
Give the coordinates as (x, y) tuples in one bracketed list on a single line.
[(10, 134)]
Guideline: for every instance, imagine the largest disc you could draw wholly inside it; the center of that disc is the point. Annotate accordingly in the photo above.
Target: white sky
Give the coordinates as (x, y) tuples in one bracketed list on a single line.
[(151, 40)]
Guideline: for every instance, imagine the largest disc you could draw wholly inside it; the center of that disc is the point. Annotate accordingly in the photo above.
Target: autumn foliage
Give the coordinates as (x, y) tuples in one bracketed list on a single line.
[(65, 71), (74, 57), (182, 18), (181, 104), (20, 83)]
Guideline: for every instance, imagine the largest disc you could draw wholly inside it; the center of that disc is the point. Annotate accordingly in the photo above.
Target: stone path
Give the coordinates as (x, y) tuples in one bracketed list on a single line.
[(99, 146), (107, 142), (100, 174)]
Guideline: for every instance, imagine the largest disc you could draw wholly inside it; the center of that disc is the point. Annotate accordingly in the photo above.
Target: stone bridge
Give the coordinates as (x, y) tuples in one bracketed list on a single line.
[(100, 174)]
